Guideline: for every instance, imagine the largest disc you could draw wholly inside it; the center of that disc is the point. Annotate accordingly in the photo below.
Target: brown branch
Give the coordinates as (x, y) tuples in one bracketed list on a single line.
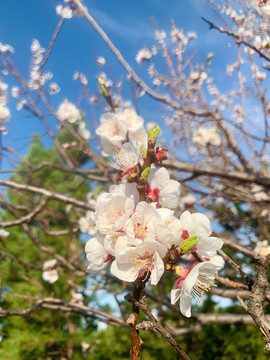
[(27, 218), (237, 38), (159, 328), (238, 247), (49, 194), (236, 266), (59, 304), (232, 175), (24, 263), (255, 306), (229, 283), (230, 293)]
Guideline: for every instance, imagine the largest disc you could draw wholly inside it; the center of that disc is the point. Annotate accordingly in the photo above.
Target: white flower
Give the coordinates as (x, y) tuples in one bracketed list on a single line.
[(3, 98), (3, 86), (138, 138), (187, 201), (50, 274), (112, 132), (15, 92), (81, 77), (126, 158), (101, 61), (160, 35), (65, 12), (83, 131), (77, 298), (68, 112), (143, 54), (163, 190), (49, 264), (87, 224), (142, 225), (112, 212), (53, 88), (128, 190), (198, 76), (262, 248), (191, 35), (35, 46), (21, 104), (116, 127), (156, 82), (3, 233), (204, 136), (70, 145), (4, 114), (258, 193), (169, 229), (134, 262), (198, 281), (257, 42), (6, 48), (96, 254), (85, 346), (259, 75), (198, 224), (130, 119)]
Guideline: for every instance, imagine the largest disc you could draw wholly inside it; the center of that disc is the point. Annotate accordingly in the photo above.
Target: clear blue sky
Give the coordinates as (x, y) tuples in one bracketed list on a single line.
[(127, 23)]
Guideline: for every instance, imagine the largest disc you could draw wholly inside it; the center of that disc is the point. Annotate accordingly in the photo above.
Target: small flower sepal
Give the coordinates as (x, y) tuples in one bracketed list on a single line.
[(161, 155)]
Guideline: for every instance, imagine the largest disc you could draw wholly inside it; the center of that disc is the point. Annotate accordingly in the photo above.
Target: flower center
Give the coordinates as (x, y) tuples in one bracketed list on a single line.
[(113, 128), (140, 231), (203, 284), (112, 213), (143, 263)]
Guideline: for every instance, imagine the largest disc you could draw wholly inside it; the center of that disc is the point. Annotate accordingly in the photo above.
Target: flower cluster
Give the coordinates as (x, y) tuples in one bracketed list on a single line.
[(138, 233), (4, 110), (205, 136), (70, 113)]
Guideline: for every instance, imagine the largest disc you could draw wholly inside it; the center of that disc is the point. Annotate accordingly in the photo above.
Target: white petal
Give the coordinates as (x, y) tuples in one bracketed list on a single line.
[(158, 269), (207, 246), (175, 293), (185, 304), (170, 195), (158, 178), (218, 261), (125, 272)]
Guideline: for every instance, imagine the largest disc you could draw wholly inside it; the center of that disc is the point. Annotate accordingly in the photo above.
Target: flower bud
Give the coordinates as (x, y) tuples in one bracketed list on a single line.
[(145, 173), (143, 152), (153, 133), (188, 244)]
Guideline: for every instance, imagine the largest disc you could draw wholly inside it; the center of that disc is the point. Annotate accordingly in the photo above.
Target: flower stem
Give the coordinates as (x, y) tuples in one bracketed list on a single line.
[(133, 320)]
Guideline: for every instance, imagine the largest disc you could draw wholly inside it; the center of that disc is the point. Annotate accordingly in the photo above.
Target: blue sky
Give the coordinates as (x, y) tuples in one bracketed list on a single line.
[(129, 26)]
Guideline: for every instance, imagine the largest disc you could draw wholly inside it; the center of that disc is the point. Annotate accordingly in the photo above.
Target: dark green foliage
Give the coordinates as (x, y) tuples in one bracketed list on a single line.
[(45, 334)]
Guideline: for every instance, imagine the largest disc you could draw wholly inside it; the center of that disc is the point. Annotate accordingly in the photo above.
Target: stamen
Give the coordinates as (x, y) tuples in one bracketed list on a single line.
[(203, 284)]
